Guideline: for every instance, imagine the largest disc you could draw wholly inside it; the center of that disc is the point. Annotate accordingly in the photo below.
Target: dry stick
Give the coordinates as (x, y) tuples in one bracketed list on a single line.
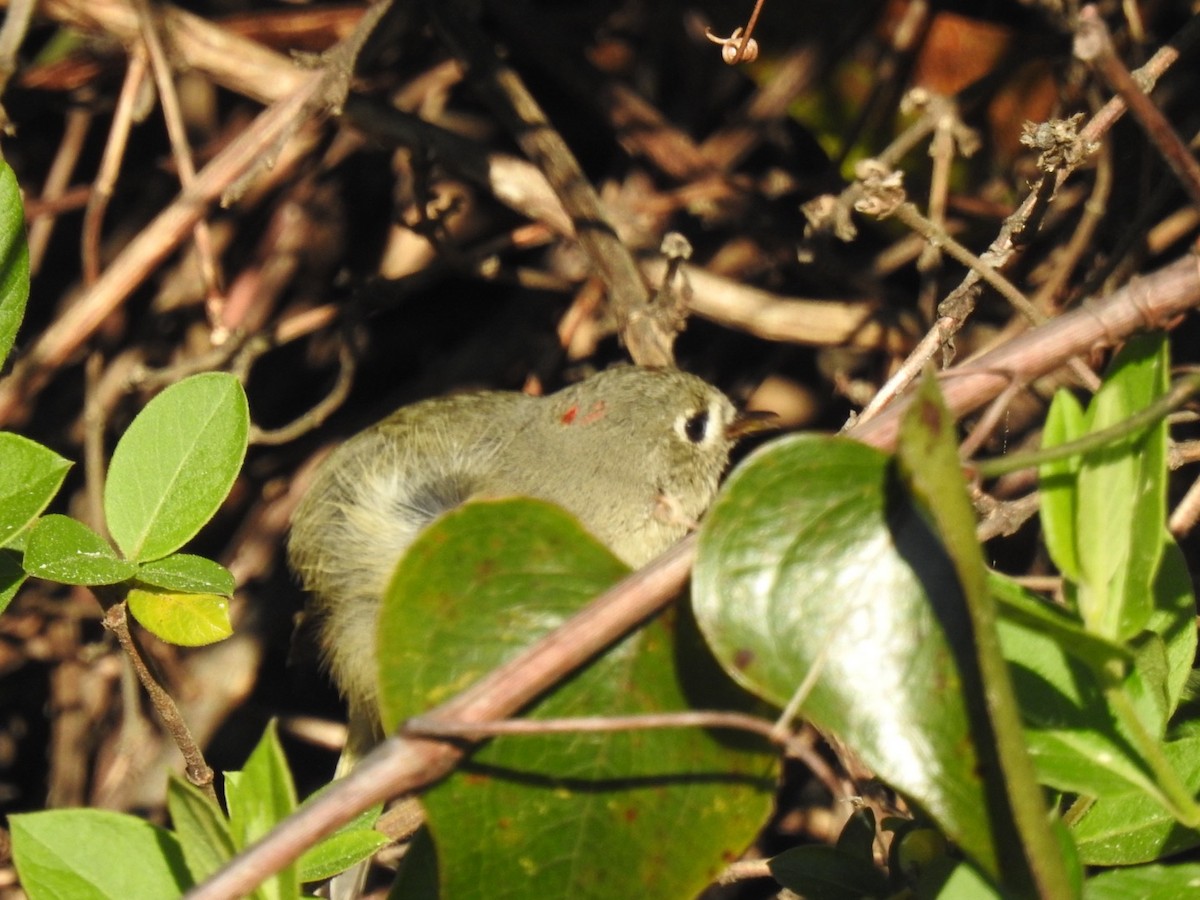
[(422, 726), (1150, 301), (237, 63), (929, 264), (94, 418), (116, 620), (1184, 516), (648, 336), (320, 411), (78, 122), (402, 765), (181, 150), (59, 342), (1046, 299), (12, 36), (1094, 46), (1002, 248), (908, 214), (110, 163)]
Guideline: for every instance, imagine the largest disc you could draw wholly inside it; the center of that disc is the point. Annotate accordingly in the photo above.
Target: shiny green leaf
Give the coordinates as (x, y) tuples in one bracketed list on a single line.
[(32, 476), (185, 572), (559, 815), (63, 549), (94, 854), (14, 261), (175, 464), (812, 561)]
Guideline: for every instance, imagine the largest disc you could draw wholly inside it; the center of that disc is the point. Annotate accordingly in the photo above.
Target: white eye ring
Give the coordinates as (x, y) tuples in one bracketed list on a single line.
[(699, 427), (695, 427)]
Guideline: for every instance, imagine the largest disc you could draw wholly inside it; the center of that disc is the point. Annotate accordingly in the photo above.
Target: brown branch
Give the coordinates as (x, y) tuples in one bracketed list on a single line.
[(247, 154), (116, 620), (648, 335), (181, 148), (1094, 46), (110, 163), (1150, 301)]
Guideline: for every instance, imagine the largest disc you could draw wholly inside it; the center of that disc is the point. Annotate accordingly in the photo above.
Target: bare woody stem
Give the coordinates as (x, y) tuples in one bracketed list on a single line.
[(116, 620), (648, 338)]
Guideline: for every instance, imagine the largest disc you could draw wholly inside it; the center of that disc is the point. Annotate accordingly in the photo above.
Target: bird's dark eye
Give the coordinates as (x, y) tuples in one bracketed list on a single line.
[(695, 427)]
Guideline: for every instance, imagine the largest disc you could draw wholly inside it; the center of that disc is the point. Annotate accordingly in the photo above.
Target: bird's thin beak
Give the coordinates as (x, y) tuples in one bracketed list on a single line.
[(751, 421)]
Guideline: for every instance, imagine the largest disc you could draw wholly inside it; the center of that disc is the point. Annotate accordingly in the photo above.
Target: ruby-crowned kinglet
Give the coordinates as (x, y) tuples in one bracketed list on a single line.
[(634, 453)]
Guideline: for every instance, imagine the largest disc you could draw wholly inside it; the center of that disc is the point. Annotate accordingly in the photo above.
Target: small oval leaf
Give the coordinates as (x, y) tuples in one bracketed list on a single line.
[(14, 260), (189, 573), (189, 620), (175, 464), (62, 549), (32, 476)]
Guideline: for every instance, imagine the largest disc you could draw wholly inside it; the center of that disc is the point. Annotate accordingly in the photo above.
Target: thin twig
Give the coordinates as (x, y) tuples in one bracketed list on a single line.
[(180, 149), (319, 412), (110, 163), (78, 122), (648, 338), (198, 772), (908, 214), (1152, 301), (421, 726), (1094, 46)]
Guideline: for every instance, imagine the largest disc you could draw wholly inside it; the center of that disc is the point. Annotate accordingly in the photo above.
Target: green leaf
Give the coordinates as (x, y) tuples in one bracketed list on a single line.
[(1174, 620), (188, 620), (338, 852), (201, 827), (1121, 496), (1024, 609), (1145, 883), (960, 881), (556, 815), (12, 576), (90, 853), (818, 872), (858, 834), (354, 842), (189, 573), (259, 797), (1058, 497), (63, 549), (811, 561), (1126, 827), (927, 457), (1071, 729), (175, 464), (14, 261), (32, 476)]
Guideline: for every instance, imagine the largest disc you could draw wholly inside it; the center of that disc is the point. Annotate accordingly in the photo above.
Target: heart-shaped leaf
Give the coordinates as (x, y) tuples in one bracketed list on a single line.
[(569, 814), (815, 574)]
